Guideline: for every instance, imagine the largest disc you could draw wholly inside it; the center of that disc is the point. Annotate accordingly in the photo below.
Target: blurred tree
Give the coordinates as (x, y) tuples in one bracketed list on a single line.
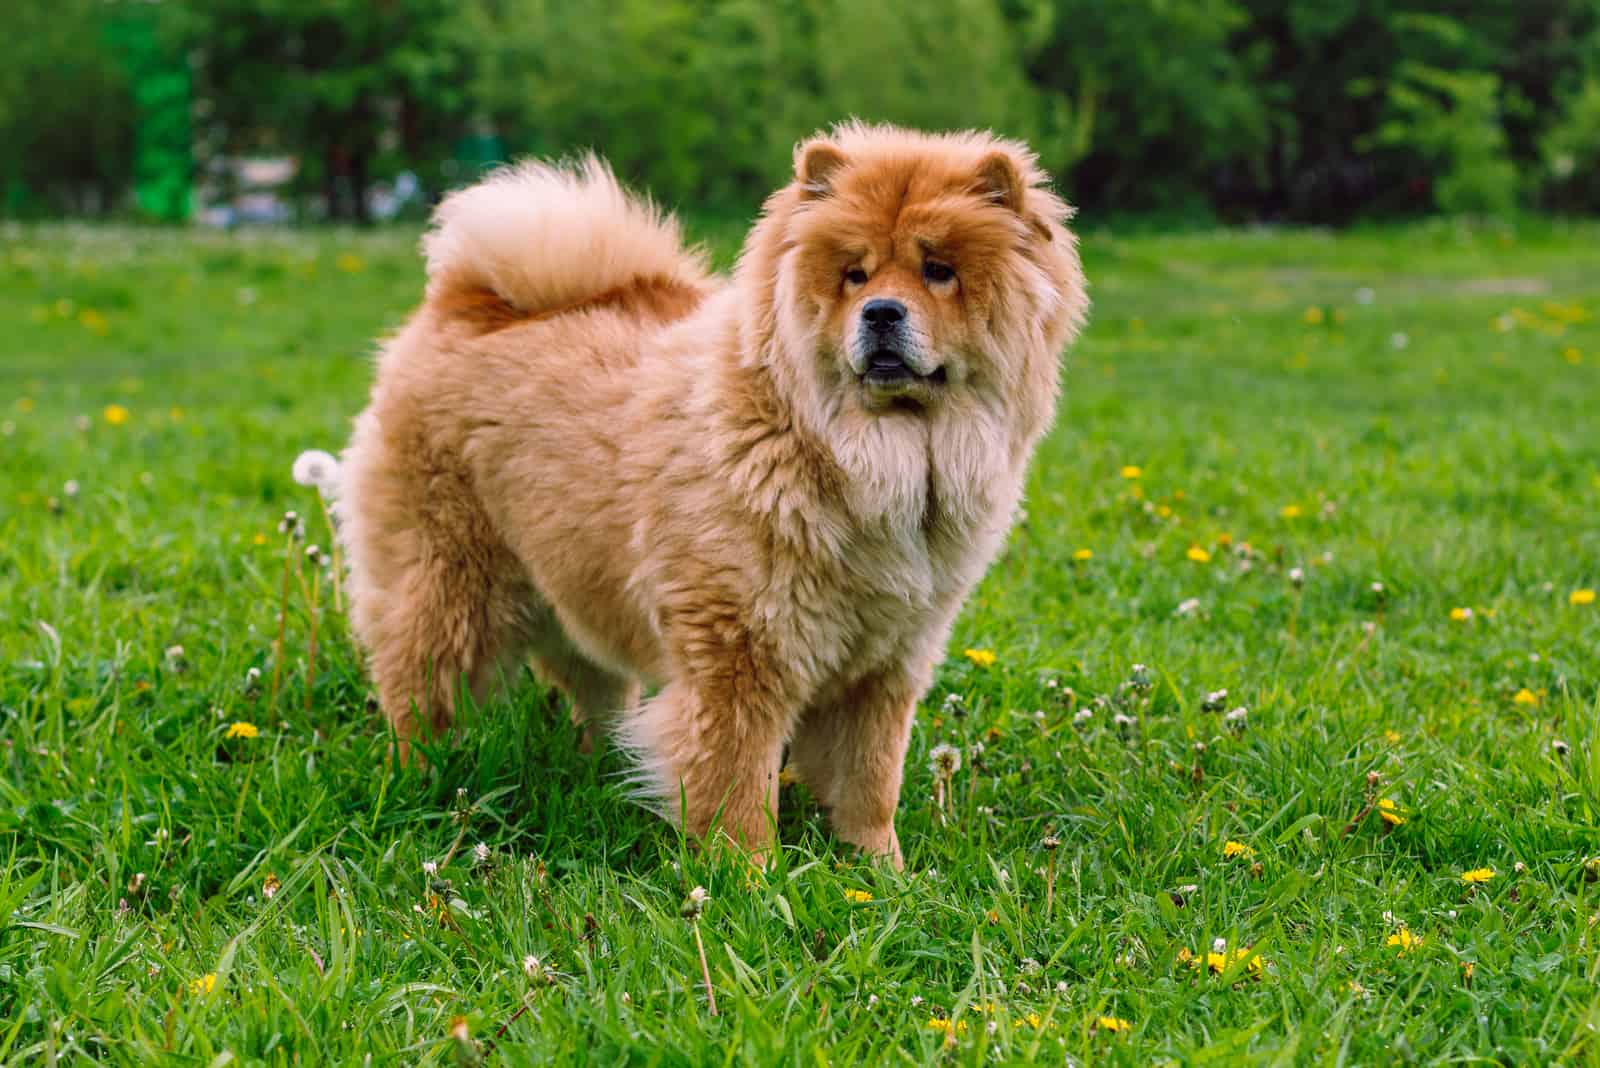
[(354, 88), (66, 110), (1146, 100)]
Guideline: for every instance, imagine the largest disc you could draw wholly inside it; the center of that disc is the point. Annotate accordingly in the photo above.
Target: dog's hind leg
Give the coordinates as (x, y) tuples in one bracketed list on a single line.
[(437, 600)]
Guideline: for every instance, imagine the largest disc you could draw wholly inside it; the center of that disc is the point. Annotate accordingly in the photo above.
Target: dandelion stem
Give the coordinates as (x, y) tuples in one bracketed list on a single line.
[(283, 617), (705, 970), (311, 643), (1050, 886), (333, 542)]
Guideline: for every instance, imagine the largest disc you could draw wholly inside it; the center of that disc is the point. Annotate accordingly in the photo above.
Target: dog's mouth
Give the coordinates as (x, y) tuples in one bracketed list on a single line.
[(887, 370)]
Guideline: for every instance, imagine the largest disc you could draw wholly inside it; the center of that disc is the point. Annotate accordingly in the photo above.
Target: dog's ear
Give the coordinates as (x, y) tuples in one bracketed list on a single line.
[(815, 164), (1001, 181)]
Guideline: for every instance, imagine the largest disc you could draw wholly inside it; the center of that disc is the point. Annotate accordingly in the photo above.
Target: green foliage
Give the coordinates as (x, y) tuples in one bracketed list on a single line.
[(1324, 110), (1451, 121), (1243, 373), (66, 110), (1571, 151)]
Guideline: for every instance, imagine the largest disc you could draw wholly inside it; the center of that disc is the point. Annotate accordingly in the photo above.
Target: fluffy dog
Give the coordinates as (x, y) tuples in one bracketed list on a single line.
[(766, 496)]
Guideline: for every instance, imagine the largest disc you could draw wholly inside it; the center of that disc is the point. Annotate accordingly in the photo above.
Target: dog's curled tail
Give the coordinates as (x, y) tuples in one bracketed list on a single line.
[(545, 237)]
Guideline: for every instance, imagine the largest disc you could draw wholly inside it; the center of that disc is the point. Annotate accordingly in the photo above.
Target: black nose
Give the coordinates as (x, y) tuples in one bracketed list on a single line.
[(883, 314)]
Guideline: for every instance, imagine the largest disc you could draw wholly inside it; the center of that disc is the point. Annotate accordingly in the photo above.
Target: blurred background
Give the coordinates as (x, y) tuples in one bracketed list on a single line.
[(226, 112)]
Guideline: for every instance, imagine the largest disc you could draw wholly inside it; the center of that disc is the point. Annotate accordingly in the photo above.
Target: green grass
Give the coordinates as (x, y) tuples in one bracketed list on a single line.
[(1458, 465)]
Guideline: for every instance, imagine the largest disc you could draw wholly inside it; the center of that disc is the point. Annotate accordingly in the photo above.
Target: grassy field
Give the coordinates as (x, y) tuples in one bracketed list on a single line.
[(1354, 481)]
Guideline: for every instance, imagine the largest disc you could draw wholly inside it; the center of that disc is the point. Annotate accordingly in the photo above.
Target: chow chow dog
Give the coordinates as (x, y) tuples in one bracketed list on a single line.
[(761, 497)]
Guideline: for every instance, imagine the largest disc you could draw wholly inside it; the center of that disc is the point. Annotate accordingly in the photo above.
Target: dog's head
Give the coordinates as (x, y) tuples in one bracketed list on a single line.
[(911, 267)]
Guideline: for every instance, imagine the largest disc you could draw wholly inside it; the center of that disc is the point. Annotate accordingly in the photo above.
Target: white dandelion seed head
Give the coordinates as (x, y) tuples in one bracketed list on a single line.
[(532, 967), (944, 760), (1219, 945), (992, 1026), (1214, 700), (70, 487), (1377, 587), (430, 868), (1061, 987), (1237, 716), (319, 470), (1297, 576), (1082, 716)]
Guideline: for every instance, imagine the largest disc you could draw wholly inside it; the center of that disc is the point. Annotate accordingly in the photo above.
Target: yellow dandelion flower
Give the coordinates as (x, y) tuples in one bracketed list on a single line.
[(260, 538), (1033, 1020), (1112, 1024), (115, 414), (1231, 849), (1083, 554), (1405, 940), (1467, 968), (859, 897), (1290, 511), (1224, 540), (1219, 962), (1572, 355), (350, 263), (1132, 471), (1164, 511), (24, 405), (981, 657), (1525, 696), (203, 985), (1389, 813), (175, 414), (1460, 615), (1392, 737), (991, 915), (1477, 875), (1198, 555), (94, 322), (948, 1028), (1581, 597), (241, 729), (1312, 316)]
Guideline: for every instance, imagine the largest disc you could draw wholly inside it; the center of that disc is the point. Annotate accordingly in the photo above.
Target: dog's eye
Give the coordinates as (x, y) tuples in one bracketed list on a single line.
[(856, 276), (936, 273)]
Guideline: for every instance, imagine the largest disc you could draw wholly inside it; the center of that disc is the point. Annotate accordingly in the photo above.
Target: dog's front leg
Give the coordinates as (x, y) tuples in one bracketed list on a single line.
[(709, 755), (850, 749)]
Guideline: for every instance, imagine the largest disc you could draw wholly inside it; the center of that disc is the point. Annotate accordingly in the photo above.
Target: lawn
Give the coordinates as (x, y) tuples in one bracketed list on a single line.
[(1352, 480)]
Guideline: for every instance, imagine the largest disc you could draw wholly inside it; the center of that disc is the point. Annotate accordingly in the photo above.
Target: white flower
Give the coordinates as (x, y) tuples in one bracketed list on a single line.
[(1082, 716), (1214, 700), (70, 489), (872, 1001), (1237, 717), (430, 868), (531, 967), (1365, 295), (1061, 987), (1123, 720), (916, 999), (480, 853), (1297, 576), (1187, 607), (944, 760), (1219, 945), (1399, 340), (318, 469)]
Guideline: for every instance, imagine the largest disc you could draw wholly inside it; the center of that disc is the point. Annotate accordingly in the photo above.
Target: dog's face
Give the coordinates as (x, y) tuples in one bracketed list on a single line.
[(922, 267)]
